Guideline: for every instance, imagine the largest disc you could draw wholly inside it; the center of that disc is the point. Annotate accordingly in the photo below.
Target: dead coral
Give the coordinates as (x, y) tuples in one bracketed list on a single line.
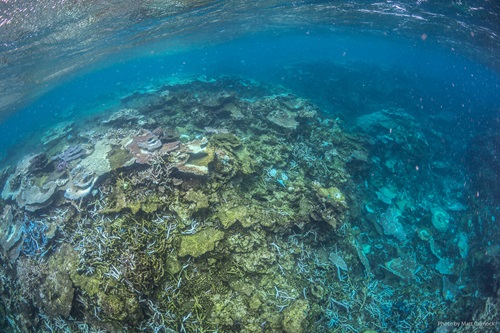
[(143, 147), (81, 183), (194, 157), (123, 116), (284, 119), (11, 233), (34, 197)]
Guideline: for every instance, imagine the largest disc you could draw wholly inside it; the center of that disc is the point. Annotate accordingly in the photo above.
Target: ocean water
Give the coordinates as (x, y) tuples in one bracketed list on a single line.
[(199, 166)]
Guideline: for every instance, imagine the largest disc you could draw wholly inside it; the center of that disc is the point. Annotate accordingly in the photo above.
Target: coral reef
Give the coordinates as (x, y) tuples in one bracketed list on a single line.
[(143, 146), (440, 219), (70, 154), (200, 243), (228, 205)]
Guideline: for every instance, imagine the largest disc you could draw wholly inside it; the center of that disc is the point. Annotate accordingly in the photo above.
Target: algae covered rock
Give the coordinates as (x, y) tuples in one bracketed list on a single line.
[(257, 261), (294, 316), (172, 266), (247, 216), (123, 306), (335, 205), (57, 291), (198, 199), (57, 294), (231, 154), (226, 141), (283, 119), (200, 243), (229, 311), (229, 216), (332, 195)]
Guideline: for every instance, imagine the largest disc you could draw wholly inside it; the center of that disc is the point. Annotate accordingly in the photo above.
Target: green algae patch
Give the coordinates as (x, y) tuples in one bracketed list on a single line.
[(230, 216), (199, 199), (89, 284), (200, 243), (172, 266), (118, 158), (120, 307), (294, 317), (58, 289), (246, 163), (226, 141), (331, 195)]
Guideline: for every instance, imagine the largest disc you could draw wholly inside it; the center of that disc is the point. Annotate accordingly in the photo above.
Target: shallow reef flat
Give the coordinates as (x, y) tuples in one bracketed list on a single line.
[(229, 205)]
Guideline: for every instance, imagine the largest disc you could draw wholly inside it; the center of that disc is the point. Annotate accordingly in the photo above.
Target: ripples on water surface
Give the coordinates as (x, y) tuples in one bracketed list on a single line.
[(249, 166)]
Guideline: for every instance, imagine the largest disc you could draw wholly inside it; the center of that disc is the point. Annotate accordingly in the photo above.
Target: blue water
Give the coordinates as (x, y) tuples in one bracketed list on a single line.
[(439, 80), (380, 212)]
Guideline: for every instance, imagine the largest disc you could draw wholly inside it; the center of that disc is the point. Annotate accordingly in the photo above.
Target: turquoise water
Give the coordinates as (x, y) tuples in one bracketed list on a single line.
[(249, 167), (435, 79)]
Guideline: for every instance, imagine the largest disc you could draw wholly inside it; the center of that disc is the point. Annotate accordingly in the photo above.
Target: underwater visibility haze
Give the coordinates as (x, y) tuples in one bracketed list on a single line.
[(249, 166)]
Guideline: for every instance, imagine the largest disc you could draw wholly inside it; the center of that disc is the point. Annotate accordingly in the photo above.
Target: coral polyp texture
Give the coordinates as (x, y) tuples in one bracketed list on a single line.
[(229, 205)]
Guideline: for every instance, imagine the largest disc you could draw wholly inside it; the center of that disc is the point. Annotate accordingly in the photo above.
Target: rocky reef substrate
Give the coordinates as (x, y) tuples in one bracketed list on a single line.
[(229, 205)]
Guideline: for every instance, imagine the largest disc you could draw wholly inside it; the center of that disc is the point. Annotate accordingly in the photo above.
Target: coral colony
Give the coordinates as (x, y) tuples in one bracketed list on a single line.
[(233, 206)]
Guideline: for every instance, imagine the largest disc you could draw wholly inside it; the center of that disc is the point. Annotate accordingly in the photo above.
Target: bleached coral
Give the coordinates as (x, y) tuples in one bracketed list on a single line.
[(386, 195), (403, 268), (338, 261), (284, 119), (34, 197), (143, 146), (122, 116), (440, 219), (81, 183), (98, 162), (391, 225)]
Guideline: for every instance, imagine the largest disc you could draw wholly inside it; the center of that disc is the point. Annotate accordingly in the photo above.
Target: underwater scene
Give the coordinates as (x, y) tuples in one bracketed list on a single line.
[(249, 167)]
